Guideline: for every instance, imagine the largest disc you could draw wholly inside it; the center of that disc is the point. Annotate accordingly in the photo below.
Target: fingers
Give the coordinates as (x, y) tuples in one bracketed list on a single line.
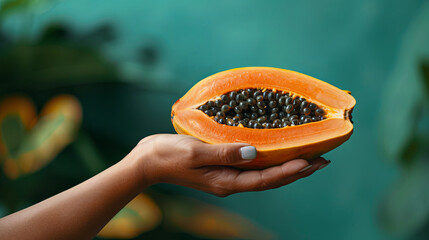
[(225, 154), (316, 165), (275, 176)]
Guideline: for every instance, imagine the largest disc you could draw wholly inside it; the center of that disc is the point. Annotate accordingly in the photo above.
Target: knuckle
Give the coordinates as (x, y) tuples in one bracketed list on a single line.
[(190, 151), (224, 156), (262, 184)]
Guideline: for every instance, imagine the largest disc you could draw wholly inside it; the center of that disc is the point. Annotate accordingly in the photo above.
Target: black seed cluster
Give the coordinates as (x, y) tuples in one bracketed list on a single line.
[(262, 108)]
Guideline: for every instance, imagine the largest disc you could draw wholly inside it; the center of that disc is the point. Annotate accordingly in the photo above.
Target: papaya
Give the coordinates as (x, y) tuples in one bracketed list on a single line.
[(285, 114)]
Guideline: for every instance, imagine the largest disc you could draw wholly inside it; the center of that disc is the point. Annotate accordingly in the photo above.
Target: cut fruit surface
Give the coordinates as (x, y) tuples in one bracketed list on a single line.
[(275, 143)]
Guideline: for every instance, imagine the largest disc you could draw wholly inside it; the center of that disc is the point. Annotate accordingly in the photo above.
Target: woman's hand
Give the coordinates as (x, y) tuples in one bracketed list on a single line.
[(176, 159), (186, 161)]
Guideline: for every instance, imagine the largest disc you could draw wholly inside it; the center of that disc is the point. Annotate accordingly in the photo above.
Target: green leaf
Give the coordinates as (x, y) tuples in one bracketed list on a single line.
[(403, 96), (3, 210), (56, 128), (41, 133), (52, 65), (13, 134), (405, 209), (11, 6), (140, 215), (209, 221), (89, 153), (425, 71)]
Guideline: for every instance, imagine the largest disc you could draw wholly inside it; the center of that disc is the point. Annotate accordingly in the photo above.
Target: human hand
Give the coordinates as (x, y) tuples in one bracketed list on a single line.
[(187, 161)]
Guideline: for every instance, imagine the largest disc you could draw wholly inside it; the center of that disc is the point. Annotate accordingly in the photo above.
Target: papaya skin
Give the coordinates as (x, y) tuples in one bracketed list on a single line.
[(274, 146)]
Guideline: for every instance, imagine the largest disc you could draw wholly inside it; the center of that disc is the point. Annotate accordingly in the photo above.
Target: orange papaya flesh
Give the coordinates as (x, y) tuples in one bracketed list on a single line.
[(276, 145)]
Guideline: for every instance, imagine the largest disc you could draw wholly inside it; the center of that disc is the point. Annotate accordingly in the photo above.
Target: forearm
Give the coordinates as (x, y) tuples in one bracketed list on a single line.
[(80, 212)]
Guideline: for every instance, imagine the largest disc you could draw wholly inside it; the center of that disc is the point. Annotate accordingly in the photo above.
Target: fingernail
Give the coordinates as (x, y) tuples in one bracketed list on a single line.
[(248, 152), (306, 168), (324, 165)]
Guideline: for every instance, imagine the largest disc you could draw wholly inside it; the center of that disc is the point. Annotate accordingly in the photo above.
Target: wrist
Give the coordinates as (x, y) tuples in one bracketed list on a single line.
[(139, 160)]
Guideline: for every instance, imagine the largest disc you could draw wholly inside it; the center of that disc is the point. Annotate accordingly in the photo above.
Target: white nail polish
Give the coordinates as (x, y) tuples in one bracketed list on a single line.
[(306, 168), (248, 152), (324, 165)]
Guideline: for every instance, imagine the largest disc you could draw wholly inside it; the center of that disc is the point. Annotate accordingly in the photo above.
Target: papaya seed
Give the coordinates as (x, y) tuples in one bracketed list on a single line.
[(210, 104), (257, 93), (232, 95), (251, 101), (243, 105), (261, 104), (220, 114), (237, 109), (232, 103), (225, 108), (224, 98), (319, 112), (289, 108), (312, 106), (254, 116), (274, 110), (203, 107), (272, 104), (262, 108)]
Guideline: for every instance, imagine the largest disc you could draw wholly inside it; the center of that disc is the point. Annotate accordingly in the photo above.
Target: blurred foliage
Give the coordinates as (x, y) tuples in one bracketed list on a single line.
[(51, 73), (140, 215), (28, 145), (8, 7), (209, 221), (405, 135), (58, 58), (425, 71)]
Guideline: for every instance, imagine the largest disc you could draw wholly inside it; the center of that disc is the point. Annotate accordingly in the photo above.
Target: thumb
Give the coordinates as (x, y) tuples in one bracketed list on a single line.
[(230, 154)]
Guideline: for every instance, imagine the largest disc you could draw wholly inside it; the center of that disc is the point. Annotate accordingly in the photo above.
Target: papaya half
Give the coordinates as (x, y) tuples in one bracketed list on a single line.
[(285, 114)]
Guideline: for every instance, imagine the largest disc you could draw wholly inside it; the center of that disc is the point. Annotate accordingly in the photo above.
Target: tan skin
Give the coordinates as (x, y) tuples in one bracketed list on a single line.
[(80, 212)]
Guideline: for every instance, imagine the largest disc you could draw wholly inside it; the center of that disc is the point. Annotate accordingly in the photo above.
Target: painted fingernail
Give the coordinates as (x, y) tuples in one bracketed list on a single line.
[(306, 168), (324, 165), (248, 152)]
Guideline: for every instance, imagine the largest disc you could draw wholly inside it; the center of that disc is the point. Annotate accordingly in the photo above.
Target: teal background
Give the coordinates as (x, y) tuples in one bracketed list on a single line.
[(351, 44)]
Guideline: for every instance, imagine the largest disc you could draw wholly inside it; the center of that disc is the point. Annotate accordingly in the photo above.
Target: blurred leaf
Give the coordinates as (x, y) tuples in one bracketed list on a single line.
[(209, 221), (17, 115), (411, 151), (56, 32), (13, 134), (403, 94), (57, 125), (149, 54), (101, 34), (52, 65), (405, 209), (425, 71), (3, 210), (89, 153), (421, 234), (138, 216), (11, 6)]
